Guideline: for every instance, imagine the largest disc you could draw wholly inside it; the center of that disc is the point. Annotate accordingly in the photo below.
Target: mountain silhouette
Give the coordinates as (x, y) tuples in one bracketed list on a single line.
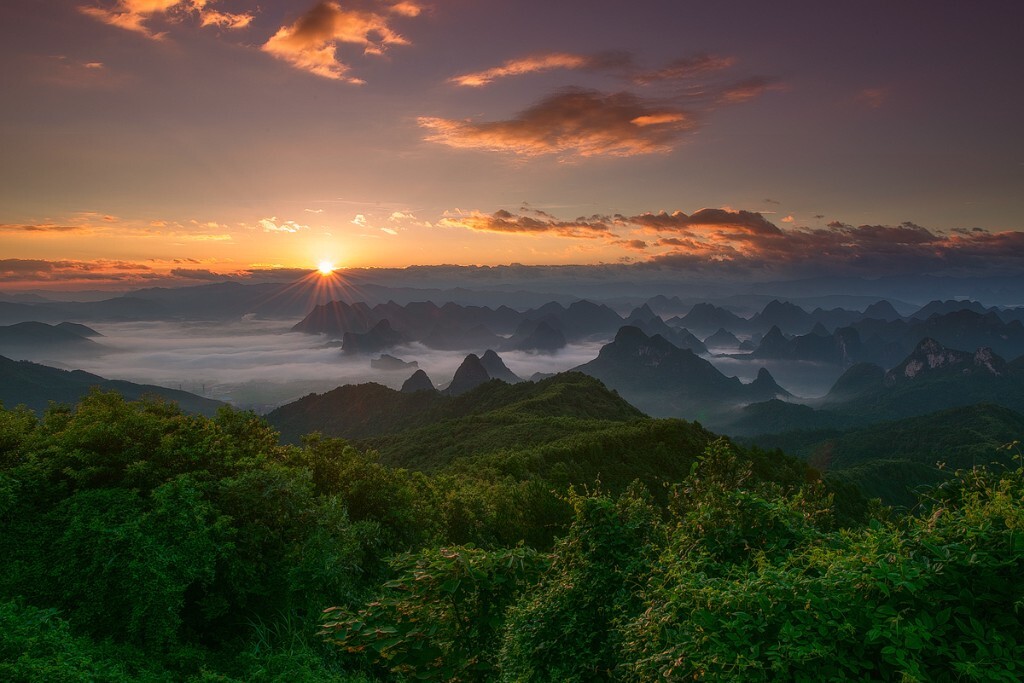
[(35, 386), (666, 381), (418, 381), (496, 368), (381, 336)]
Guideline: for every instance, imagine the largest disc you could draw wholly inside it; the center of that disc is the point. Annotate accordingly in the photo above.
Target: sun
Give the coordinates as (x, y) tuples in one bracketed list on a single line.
[(325, 268)]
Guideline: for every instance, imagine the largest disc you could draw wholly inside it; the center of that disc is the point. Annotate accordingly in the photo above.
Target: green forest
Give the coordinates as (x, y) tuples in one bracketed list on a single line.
[(543, 532)]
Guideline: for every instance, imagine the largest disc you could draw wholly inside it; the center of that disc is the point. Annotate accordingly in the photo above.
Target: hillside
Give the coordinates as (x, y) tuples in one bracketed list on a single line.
[(892, 459), (372, 410), (36, 386)]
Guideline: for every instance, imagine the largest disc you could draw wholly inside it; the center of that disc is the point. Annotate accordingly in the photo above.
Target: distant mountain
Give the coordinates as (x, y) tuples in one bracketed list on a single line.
[(468, 376), (389, 363), (381, 336), (581, 319), (37, 341), (858, 380), (34, 385), (454, 327), (664, 380), (882, 310), (885, 342), (705, 318), (336, 318), (535, 336), (931, 360), (685, 339), (455, 337), (784, 315), (80, 330), (931, 378), (950, 306), (723, 338), (969, 329), (496, 368), (892, 459), (843, 347), (418, 381), (650, 324)]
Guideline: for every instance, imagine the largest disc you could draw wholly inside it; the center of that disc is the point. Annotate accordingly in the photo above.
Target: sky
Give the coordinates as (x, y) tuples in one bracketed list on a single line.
[(183, 141)]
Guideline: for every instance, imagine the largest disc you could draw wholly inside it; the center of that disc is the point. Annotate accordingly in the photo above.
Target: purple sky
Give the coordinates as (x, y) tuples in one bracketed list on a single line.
[(144, 136)]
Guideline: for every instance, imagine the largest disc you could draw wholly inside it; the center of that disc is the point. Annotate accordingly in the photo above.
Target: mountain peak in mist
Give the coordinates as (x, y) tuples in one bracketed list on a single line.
[(496, 368), (418, 381), (470, 375)]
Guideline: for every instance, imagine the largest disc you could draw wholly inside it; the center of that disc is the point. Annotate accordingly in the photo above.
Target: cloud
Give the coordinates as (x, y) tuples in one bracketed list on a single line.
[(197, 274), (67, 272), (722, 221), (503, 221), (40, 228), (579, 122), (575, 123), (840, 248), (542, 62), (734, 242), (136, 15), (635, 245), (311, 42), (684, 68), (273, 225), (744, 91), (621, 64)]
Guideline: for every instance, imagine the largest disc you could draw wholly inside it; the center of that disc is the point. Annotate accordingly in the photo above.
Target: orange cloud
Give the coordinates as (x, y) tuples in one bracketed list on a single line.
[(842, 248), (134, 15), (311, 42), (273, 225), (619, 63), (723, 222), (503, 221), (576, 123), (744, 91), (526, 65), (68, 271), (583, 123)]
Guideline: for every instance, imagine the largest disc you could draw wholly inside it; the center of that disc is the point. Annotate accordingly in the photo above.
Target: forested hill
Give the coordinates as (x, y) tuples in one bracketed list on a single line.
[(35, 386), (362, 411), (141, 543), (567, 429)]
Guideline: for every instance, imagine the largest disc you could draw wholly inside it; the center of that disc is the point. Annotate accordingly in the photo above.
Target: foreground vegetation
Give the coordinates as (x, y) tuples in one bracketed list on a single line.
[(141, 543)]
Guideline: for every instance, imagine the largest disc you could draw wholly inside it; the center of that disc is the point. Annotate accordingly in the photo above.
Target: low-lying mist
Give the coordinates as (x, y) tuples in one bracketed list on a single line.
[(260, 364)]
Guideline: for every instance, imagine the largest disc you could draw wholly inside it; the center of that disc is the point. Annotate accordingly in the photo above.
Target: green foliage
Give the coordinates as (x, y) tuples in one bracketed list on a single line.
[(564, 630), (37, 645), (440, 619), (925, 599), (141, 543), (892, 459)]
